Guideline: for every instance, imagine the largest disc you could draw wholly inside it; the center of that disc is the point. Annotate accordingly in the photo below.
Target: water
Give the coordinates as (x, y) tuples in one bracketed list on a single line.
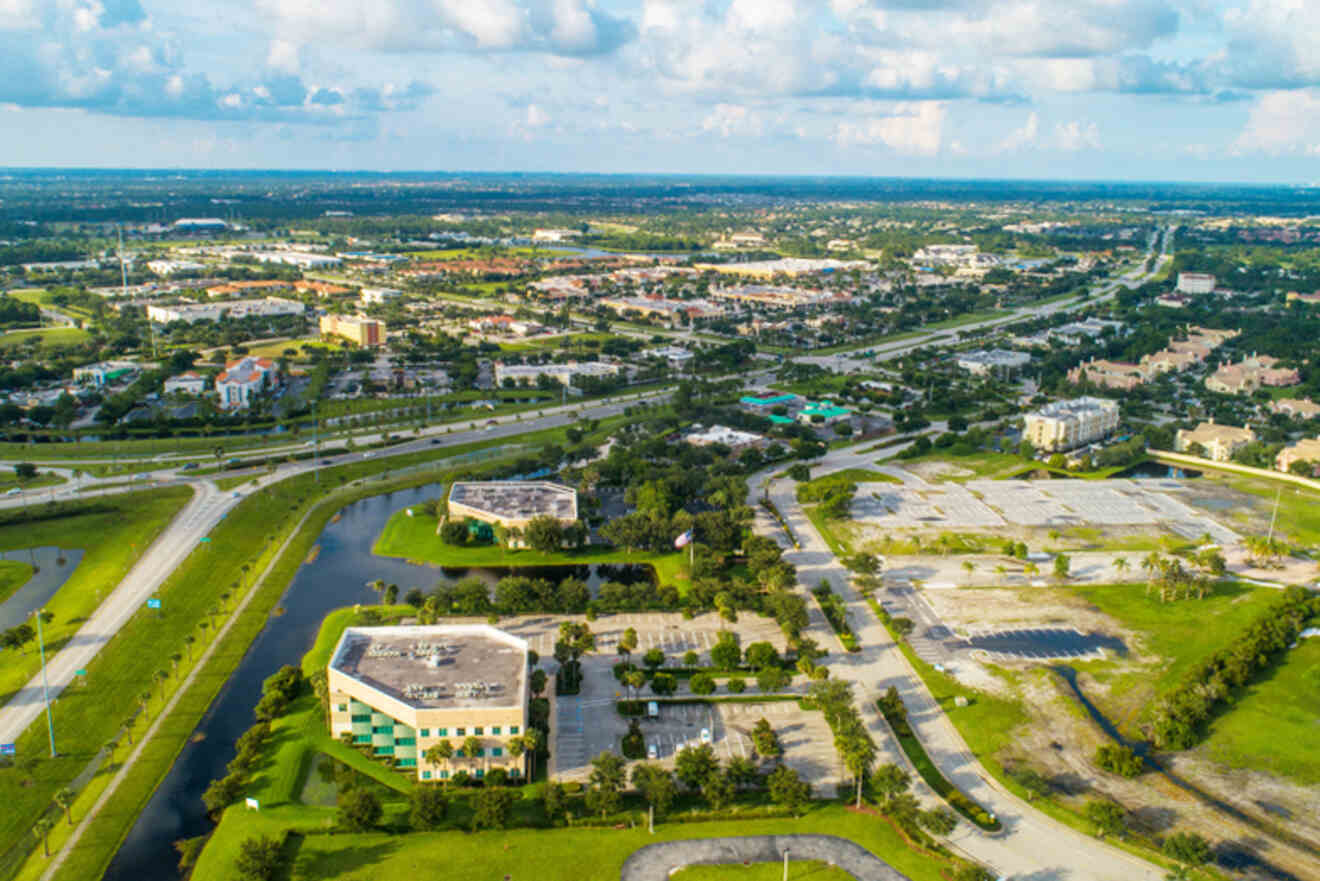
[(338, 577), (54, 566), (1158, 469)]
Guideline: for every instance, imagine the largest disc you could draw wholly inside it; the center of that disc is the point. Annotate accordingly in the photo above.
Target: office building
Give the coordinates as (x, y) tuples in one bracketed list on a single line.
[(512, 503), (365, 332)]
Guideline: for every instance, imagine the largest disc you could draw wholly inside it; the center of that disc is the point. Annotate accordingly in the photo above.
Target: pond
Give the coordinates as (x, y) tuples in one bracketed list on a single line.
[(337, 577), (53, 567), (1158, 469)]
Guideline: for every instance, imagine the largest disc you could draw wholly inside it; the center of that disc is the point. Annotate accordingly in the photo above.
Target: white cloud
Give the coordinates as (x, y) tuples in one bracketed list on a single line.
[(1283, 122), (284, 56), (535, 117), (1077, 135), (730, 120), (1021, 137), (914, 128)]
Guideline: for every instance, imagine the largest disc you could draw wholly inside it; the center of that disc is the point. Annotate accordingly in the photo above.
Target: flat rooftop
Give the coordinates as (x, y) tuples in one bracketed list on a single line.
[(436, 667), (516, 499)]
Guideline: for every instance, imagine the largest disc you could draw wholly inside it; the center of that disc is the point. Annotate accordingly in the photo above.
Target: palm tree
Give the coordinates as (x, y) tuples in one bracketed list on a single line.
[(1121, 565), (64, 798), (532, 743), (188, 641), (968, 567), (41, 828), (1001, 572), (1030, 569), (110, 746), (516, 747), (438, 753), (1151, 563), (472, 749)]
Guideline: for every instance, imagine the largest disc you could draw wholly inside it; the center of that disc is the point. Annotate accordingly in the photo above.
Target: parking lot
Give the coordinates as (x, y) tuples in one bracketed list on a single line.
[(667, 631), (1044, 642)]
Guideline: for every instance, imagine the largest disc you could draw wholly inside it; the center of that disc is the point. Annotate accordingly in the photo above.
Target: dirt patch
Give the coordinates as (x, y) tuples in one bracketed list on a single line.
[(936, 471)]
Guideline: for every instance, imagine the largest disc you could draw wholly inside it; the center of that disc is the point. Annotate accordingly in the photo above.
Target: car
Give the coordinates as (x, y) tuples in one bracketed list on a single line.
[(14, 492), (652, 752), (435, 441), (652, 710), (237, 494), (327, 461), (191, 466), (705, 735), (492, 422)]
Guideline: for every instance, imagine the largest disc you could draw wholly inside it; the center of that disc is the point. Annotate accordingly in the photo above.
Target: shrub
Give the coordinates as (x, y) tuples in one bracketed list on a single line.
[(359, 810), (737, 685), (1120, 760), (258, 859), (702, 683)]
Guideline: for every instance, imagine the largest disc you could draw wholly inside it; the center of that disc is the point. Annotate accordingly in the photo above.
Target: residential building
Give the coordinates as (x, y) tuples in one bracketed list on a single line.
[(512, 503), (1218, 442), (659, 307), (243, 380), (983, 363), (320, 288), (1195, 283), (239, 288), (1172, 301), (194, 312), (1064, 425), (527, 374), (765, 404), (1108, 374), (402, 690), (1250, 374), (1305, 450), (1298, 408), (189, 383), (787, 266), (359, 329), (378, 296)]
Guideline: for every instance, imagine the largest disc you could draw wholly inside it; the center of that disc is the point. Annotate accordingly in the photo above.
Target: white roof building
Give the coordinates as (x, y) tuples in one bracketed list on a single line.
[(194, 312), (301, 259), (166, 268), (982, 363), (378, 296), (190, 383)]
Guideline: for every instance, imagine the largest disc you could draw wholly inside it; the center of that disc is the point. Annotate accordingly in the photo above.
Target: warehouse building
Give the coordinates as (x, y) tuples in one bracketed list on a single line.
[(512, 503)]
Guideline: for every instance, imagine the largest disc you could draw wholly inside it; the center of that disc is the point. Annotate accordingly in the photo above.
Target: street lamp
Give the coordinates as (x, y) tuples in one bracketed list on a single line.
[(45, 684), (785, 864)]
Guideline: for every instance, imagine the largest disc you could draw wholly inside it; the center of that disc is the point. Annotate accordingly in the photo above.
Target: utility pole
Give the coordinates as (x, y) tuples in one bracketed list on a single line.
[(45, 684), (316, 443), (1275, 514), (785, 864)]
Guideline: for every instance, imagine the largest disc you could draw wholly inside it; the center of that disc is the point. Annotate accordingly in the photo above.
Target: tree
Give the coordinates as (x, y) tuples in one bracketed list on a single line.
[(221, 793), (656, 785), (940, 821), (1187, 848), (727, 651), (741, 771), (974, 872), (439, 753), (538, 682), (553, 799), (695, 764), (663, 684), (1121, 565), (889, 779), (471, 748), (968, 567), (762, 654), (702, 683), (788, 789), (359, 810), (429, 806), (718, 790), (634, 679), (454, 532), (772, 679), (1108, 817), (858, 753), (544, 533), (1062, 567), (391, 594), (64, 798), (41, 829), (258, 858), (25, 471), (532, 744), (765, 740), (902, 626), (605, 783), (628, 642), (654, 658), (494, 805)]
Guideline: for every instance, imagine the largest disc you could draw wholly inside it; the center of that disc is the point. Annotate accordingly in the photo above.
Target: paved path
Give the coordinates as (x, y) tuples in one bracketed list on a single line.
[(1031, 845), (655, 861)]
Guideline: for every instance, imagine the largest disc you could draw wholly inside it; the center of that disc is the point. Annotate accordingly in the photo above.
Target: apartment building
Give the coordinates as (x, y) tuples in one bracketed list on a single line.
[(1219, 442), (365, 332), (401, 690), (1250, 374), (1195, 283), (1305, 450), (1065, 425)]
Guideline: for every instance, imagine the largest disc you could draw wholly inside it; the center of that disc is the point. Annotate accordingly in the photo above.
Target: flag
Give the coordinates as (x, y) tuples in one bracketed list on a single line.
[(683, 540)]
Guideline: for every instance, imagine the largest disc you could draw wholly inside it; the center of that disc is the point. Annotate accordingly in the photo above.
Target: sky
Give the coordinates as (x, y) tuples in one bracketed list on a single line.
[(1209, 90)]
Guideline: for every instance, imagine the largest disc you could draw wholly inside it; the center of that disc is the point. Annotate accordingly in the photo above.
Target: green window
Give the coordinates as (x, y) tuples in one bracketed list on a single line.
[(444, 775), (513, 772), (495, 729), (426, 732), (405, 741), (426, 775), (513, 729), (460, 732), (365, 717), (458, 754), (481, 772), (480, 753), (384, 751), (407, 763), (362, 738), (478, 731), (442, 732), (382, 729), (343, 708), (497, 751)]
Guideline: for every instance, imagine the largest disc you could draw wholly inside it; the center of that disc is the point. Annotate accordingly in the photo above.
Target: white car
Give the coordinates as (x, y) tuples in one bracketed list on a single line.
[(652, 752), (705, 735)]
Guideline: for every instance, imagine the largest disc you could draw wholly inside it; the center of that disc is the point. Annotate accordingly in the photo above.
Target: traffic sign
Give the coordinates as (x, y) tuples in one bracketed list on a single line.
[(80, 672), (6, 749), (206, 538), (153, 603)]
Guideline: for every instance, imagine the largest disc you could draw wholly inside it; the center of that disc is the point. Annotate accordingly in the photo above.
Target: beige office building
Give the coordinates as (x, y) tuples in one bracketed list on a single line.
[(1065, 425), (401, 690), (365, 332)]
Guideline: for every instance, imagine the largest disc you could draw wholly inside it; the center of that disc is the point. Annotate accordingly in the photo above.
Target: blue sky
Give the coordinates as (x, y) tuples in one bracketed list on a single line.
[(1121, 89)]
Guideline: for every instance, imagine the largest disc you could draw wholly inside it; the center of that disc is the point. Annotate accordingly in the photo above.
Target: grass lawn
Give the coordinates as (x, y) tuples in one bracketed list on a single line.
[(981, 464), (413, 538), (13, 575), (51, 337), (541, 854), (1299, 509), (1272, 727), (806, 870), (1182, 633), (10, 480), (854, 475)]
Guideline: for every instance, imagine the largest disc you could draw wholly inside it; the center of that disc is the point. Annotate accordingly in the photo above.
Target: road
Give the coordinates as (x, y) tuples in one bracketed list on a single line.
[(1031, 845)]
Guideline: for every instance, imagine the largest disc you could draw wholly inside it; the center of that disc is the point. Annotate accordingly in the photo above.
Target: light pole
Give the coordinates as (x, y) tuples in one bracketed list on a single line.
[(45, 684), (785, 864)]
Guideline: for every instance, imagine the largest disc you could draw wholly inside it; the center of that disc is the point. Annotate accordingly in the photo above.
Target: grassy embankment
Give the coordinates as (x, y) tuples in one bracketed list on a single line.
[(414, 538), (13, 575), (252, 534), (806, 870)]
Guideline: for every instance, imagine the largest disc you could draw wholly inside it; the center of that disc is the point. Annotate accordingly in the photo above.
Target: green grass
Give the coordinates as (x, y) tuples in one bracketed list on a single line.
[(854, 475), (541, 854), (1272, 727), (980, 464), (414, 538), (51, 337), (806, 870), (9, 480), (13, 575), (1182, 633), (1299, 509)]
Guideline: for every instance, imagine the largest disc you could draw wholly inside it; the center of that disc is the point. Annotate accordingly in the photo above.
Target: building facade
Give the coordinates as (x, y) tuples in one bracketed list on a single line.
[(399, 691), (1218, 442), (512, 503), (242, 380), (365, 332), (1065, 425)]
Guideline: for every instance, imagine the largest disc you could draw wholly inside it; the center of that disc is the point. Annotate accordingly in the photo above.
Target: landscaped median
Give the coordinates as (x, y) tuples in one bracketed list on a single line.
[(240, 547)]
